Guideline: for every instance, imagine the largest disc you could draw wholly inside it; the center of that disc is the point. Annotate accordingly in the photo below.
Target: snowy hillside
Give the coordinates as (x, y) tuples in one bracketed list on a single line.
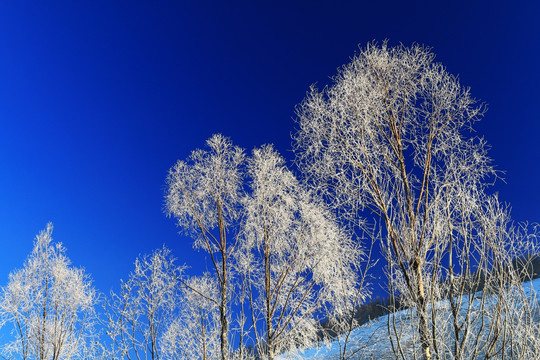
[(371, 340)]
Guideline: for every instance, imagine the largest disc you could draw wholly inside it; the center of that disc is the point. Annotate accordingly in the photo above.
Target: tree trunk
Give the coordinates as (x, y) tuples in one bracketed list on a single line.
[(422, 313), (223, 317), (224, 336)]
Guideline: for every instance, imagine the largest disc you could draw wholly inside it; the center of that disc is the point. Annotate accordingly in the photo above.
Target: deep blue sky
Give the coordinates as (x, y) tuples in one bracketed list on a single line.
[(99, 98)]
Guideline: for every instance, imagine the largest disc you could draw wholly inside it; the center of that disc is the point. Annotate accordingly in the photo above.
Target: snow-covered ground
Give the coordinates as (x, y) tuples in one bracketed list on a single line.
[(371, 340)]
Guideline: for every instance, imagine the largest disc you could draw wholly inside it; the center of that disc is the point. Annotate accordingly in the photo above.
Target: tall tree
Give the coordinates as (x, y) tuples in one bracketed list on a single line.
[(294, 255), (50, 305), (391, 140), (204, 194)]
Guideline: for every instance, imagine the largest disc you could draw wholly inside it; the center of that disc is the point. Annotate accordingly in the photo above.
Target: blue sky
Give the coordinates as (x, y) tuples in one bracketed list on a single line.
[(98, 99)]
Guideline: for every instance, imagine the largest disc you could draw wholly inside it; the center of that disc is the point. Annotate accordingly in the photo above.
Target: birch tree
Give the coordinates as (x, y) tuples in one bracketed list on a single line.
[(50, 304), (481, 308), (295, 256), (203, 194), (140, 314), (391, 140)]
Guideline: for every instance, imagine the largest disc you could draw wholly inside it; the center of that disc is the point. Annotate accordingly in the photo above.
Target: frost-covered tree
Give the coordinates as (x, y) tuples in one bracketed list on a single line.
[(50, 304), (294, 255), (203, 194), (140, 314), (480, 308), (194, 333), (391, 140)]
